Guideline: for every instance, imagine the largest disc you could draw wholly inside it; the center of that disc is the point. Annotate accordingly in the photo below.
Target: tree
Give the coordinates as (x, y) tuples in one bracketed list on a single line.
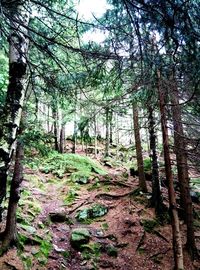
[(18, 50), (177, 241), (140, 164)]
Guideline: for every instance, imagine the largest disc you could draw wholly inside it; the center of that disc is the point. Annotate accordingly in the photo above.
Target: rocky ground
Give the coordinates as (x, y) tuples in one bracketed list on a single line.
[(102, 224)]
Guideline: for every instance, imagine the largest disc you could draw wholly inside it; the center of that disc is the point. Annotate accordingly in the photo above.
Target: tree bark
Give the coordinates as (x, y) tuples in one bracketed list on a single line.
[(182, 168), (111, 127), (176, 233), (62, 138), (140, 164), (95, 136), (156, 199), (107, 133), (55, 125), (10, 233), (9, 124)]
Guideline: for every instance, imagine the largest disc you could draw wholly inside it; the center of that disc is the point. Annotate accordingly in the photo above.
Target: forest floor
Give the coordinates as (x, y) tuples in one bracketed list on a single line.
[(127, 237)]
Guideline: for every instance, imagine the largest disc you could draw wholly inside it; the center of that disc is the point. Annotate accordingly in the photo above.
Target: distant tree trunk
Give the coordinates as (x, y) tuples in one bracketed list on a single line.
[(75, 125), (140, 164), (156, 199), (55, 125), (62, 138), (48, 118), (95, 136), (182, 168), (107, 146), (177, 242), (10, 119), (10, 233), (111, 127)]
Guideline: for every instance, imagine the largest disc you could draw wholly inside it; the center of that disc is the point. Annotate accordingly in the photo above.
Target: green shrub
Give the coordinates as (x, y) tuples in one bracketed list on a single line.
[(147, 164)]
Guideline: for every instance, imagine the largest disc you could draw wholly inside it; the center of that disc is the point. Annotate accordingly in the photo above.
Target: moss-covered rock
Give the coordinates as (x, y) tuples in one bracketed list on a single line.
[(97, 210), (79, 237)]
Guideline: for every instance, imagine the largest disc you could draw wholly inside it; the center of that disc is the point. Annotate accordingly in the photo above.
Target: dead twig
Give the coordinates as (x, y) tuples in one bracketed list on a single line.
[(141, 242)]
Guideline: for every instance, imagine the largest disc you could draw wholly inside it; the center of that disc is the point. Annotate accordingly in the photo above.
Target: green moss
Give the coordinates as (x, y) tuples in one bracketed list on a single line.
[(149, 224), (76, 165), (86, 215), (71, 196)]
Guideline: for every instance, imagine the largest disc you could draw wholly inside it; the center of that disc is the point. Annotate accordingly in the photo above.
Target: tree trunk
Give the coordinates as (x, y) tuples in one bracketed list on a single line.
[(176, 233), (62, 138), (111, 127), (182, 168), (10, 233), (55, 125), (156, 199), (9, 123), (95, 136), (107, 134), (142, 182)]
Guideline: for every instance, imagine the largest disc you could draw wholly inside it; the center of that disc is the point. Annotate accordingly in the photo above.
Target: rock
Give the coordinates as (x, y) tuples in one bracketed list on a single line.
[(79, 237), (82, 180), (195, 196), (57, 249), (109, 249), (57, 217), (112, 251), (97, 210)]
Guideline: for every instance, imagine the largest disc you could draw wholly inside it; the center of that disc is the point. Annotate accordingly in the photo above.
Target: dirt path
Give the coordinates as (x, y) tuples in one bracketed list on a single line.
[(124, 228)]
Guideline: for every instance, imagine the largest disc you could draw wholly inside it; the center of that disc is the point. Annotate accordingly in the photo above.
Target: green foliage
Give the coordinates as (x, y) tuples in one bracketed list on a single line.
[(147, 164), (28, 208), (35, 139), (71, 196), (3, 77), (60, 164), (91, 251), (149, 224), (105, 226)]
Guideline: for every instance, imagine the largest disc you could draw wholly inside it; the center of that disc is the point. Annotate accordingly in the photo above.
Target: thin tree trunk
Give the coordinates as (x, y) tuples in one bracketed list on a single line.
[(95, 137), (111, 127), (9, 123), (140, 164), (48, 118), (182, 168), (10, 233), (156, 199), (176, 233), (107, 134), (62, 138), (55, 125)]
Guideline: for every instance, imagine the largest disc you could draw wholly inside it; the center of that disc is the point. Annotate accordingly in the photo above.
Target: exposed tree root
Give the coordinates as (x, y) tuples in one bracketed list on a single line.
[(113, 196)]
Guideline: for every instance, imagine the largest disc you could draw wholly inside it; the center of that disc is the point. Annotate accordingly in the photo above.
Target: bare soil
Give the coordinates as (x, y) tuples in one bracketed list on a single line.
[(122, 227)]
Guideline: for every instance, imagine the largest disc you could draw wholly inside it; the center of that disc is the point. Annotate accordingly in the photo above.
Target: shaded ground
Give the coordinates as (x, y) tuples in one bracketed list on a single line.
[(139, 242)]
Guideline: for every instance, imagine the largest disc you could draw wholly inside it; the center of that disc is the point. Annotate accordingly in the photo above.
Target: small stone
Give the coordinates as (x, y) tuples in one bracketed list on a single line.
[(57, 249)]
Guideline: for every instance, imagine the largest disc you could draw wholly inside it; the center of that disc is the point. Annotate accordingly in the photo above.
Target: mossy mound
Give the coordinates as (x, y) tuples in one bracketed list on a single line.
[(76, 165)]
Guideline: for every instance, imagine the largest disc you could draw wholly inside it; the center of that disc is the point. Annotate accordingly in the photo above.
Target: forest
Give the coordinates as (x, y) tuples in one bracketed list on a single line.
[(100, 134)]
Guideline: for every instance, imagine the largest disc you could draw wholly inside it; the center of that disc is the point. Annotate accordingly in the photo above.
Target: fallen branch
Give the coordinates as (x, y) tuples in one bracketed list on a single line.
[(161, 236), (159, 253), (141, 242), (78, 206)]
